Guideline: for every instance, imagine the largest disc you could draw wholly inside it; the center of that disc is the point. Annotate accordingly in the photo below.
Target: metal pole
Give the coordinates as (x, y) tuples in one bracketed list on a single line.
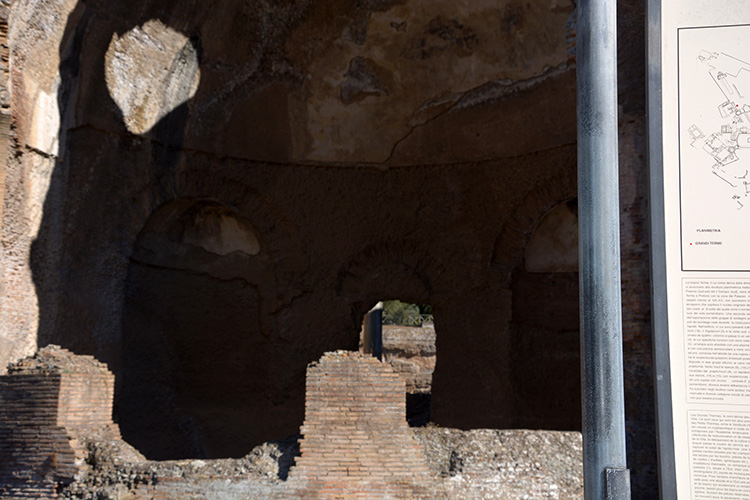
[(605, 472), (374, 331)]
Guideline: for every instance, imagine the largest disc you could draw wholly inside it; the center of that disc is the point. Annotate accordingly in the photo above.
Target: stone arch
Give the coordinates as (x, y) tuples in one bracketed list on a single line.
[(388, 270), (510, 245), (280, 235)]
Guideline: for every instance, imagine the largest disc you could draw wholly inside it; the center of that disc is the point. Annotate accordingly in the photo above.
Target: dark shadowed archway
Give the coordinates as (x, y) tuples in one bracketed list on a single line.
[(197, 357)]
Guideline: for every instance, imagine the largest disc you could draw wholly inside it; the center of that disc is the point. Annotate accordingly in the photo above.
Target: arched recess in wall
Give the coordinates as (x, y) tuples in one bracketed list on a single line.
[(545, 323), (538, 249), (197, 354)]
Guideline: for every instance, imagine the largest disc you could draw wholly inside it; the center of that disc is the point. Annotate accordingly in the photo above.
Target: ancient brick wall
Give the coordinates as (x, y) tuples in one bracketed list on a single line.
[(374, 157), (49, 405), (410, 350), (55, 427), (356, 443)]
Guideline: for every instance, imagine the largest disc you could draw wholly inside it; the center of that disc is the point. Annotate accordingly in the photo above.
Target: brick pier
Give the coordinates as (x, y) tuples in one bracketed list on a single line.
[(356, 442), (48, 405)]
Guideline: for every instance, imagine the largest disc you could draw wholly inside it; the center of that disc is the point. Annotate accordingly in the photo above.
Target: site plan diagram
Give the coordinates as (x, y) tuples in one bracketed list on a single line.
[(714, 127)]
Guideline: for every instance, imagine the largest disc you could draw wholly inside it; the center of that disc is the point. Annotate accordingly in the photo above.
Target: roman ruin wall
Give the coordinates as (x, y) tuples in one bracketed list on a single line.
[(356, 442), (58, 441), (210, 196), (51, 405)]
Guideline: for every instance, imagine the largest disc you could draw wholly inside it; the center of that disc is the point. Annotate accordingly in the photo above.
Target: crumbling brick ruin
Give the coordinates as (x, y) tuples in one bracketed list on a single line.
[(356, 443), (50, 405), (208, 196), (58, 441)]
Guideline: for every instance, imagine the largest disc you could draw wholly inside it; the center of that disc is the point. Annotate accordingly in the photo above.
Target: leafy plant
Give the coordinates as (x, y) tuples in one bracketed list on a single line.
[(396, 312)]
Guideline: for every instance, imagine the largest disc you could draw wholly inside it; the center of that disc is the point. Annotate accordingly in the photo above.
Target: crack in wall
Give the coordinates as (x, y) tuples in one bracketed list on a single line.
[(485, 94)]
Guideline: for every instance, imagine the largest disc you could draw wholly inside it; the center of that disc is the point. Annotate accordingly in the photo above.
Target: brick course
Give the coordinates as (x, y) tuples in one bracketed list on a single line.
[(356, 442), (49, 404), (54, 410)]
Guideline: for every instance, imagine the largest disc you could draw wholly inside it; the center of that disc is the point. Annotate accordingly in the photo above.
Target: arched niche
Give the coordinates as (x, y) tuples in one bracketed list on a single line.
[(553, 246), (199, 361), (545, 323)]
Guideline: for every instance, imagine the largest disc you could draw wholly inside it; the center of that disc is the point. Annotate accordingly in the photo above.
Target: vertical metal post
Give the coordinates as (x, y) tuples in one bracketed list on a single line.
[(373, 340), (605, 472)]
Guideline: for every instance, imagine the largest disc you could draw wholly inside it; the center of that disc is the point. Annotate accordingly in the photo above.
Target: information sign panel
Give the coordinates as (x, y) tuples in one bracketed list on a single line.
[(699, 129)]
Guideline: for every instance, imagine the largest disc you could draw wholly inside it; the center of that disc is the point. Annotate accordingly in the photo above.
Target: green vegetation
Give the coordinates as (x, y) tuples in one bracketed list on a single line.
[(396, 312)]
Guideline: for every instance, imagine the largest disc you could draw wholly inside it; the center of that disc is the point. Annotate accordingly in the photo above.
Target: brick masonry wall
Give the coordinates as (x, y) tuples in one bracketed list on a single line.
[(411, 353), (54, 413), (356, 442), (48, 405)]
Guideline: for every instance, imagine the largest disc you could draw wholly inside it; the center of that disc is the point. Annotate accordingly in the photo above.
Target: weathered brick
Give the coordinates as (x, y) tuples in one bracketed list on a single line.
[(356, 442), (48, 403)]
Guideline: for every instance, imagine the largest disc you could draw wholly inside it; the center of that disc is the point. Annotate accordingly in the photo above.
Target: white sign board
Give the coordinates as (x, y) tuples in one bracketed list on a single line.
[(699, 120)]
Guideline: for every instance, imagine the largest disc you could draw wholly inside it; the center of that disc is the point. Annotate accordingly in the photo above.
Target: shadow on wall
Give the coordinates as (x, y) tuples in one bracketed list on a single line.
[(546, 338), (83, 201), (195, 357), (176, 308), (170, 261)]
